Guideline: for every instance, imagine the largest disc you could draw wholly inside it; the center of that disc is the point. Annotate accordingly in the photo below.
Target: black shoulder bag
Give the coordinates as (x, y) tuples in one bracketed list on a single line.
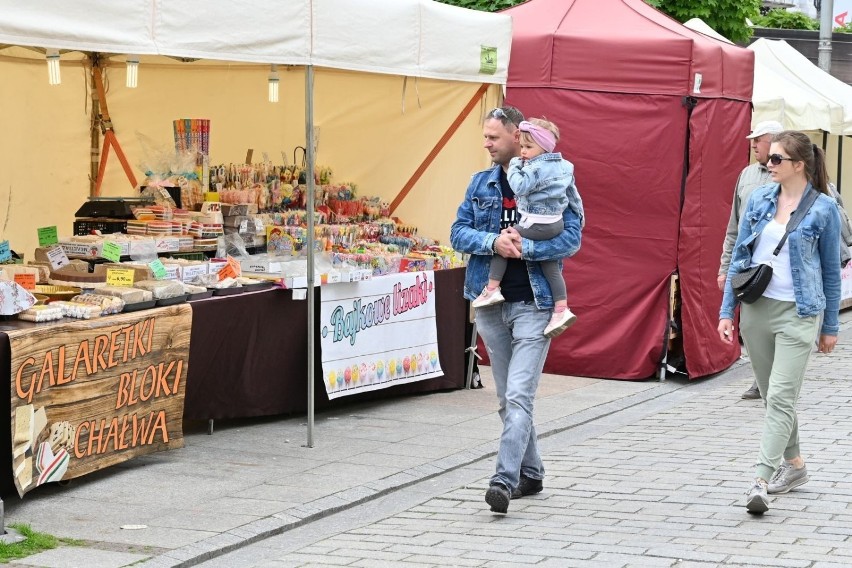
[(749, 284)]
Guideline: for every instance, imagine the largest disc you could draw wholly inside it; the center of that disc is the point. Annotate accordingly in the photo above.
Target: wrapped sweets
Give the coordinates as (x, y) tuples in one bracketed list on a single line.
[(41, 313), (161, 289), (78, 310), (129, 295), (107, 304), (193, 289)]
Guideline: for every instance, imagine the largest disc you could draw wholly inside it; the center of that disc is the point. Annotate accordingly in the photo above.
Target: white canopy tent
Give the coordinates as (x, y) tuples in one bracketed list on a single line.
[(790, 89), (421, 39), (415, 38), (784, 60)]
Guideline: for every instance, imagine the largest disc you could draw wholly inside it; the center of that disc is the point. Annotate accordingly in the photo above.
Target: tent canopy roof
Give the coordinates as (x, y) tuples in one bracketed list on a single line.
[(417, 38), (622, 46), (829, 100)]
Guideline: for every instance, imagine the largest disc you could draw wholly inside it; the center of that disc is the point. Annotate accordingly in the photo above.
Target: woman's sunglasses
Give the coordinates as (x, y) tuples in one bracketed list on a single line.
[(776, 159)]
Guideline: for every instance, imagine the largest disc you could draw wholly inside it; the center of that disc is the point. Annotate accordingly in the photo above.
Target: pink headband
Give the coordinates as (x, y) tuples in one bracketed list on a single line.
[(541, 136)]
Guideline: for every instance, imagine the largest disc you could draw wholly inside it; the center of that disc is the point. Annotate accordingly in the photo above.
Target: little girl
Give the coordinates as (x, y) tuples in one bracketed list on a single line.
[(543, 184)]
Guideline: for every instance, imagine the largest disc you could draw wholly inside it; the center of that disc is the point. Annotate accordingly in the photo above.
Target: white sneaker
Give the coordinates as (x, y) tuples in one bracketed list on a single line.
[(488, 298), (559, 323)]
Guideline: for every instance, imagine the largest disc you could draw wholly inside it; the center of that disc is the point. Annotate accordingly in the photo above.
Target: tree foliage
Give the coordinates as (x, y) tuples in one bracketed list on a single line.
[(780, 18), (483, 5), (727, 17)]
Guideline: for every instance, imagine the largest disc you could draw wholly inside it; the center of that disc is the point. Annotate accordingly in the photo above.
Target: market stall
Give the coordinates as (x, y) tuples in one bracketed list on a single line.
[(352, 88), (654, 117)]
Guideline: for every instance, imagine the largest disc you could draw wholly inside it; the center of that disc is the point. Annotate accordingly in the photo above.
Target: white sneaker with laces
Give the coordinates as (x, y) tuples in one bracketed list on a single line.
[(757, 501), (786, 478), (488, 298)]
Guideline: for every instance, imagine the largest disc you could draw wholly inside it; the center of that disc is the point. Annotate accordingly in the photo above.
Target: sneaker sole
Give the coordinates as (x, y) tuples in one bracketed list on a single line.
[(792, 485), (558, 331), (485, 304), (497, 500), (757, 505)]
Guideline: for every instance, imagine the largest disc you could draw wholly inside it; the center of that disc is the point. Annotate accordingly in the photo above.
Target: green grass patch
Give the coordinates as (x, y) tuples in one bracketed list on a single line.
[(35, 542)]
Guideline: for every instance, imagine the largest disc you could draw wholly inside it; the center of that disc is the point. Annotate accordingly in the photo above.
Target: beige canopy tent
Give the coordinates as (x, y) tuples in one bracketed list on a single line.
[(390, 94)]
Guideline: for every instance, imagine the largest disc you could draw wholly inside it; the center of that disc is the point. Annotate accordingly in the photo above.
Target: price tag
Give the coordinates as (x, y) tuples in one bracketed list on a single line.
[(5, 251), (47, 236), (57, 258), (158, 269), (27, 281), (231, 270), (111, 251), (120, 276)]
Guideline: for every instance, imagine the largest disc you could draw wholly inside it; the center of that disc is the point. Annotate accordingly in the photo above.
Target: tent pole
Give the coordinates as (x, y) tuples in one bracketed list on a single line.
[(95, 127), (839, 161), (311, 189)]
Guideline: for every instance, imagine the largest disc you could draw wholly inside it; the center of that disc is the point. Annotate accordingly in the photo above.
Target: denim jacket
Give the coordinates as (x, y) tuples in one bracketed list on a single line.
[(477, 225), (814, 255), (544, 185)]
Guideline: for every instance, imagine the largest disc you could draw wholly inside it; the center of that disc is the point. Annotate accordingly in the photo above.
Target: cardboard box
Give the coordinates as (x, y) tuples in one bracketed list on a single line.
[(262, 266), (190, 272)]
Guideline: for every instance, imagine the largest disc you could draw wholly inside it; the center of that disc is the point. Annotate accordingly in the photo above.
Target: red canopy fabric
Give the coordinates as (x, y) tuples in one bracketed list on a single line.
[(657, 152)]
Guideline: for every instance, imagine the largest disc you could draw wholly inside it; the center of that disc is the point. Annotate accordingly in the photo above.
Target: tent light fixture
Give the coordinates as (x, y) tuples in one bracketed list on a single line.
[(53, 75), (132, 71), (273, 84)]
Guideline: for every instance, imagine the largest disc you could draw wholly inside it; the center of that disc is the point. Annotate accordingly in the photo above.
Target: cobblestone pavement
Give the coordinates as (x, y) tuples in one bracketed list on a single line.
[(660, 484)]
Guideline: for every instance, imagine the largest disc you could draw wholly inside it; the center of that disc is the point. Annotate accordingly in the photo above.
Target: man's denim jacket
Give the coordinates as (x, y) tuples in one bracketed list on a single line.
[(544, 185), (814, 255), (477, 225)]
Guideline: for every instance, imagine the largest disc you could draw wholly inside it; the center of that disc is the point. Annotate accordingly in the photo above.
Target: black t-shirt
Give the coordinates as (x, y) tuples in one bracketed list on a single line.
[(515, 286)]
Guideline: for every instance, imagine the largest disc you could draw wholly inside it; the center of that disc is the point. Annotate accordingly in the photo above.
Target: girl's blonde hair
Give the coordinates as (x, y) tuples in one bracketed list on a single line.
[(546, 124)]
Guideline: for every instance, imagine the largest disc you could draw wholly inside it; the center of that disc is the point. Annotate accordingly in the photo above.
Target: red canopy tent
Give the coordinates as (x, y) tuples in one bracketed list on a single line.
[(654, 117)]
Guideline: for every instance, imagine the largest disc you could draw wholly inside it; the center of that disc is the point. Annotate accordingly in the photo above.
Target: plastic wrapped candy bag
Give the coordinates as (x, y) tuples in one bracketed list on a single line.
[(14, 298)]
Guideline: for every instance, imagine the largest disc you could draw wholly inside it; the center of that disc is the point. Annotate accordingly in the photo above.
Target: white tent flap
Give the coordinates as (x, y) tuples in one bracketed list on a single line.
[(369, 35), (452, 41), (264, 31), (87, 25), (418, 38)]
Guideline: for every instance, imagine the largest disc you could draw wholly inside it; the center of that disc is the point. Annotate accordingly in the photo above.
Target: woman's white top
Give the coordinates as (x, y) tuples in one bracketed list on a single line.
[(781, 285)]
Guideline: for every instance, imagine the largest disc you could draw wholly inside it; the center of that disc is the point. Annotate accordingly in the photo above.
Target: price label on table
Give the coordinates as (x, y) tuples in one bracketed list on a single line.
[(111, 251), (27, 281), (230, 270), (57, 258), (120, 276), (158, 269), (5, 251), (47, 236)]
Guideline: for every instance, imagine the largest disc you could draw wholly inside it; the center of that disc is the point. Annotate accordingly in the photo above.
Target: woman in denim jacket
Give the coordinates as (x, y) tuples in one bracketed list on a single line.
[(544, 187), (779, 329)]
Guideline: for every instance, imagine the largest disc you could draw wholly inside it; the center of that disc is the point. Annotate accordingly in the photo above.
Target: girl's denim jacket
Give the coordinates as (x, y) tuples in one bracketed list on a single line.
[(477, 225), (544, 185), (814, 255)]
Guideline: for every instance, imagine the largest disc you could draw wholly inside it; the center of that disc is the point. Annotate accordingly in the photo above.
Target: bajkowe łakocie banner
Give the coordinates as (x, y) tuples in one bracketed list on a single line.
[(379, 333), (93, 393)]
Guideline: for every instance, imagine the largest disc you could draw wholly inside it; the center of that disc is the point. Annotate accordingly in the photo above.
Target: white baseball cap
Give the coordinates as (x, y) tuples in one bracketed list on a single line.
[(766, 127)]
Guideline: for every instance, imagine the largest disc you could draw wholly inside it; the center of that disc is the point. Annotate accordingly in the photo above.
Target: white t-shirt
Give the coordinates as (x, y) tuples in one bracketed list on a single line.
[(781, 285)]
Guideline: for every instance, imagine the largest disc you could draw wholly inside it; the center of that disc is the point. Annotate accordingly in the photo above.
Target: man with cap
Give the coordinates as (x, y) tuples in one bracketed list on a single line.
[(753, 176)]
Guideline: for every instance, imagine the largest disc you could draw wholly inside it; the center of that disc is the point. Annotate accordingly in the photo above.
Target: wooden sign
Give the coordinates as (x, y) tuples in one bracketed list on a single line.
[(90, 394)]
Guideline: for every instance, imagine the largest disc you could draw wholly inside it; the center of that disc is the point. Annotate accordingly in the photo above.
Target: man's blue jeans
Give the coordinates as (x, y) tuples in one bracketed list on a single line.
[(513, 335)]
